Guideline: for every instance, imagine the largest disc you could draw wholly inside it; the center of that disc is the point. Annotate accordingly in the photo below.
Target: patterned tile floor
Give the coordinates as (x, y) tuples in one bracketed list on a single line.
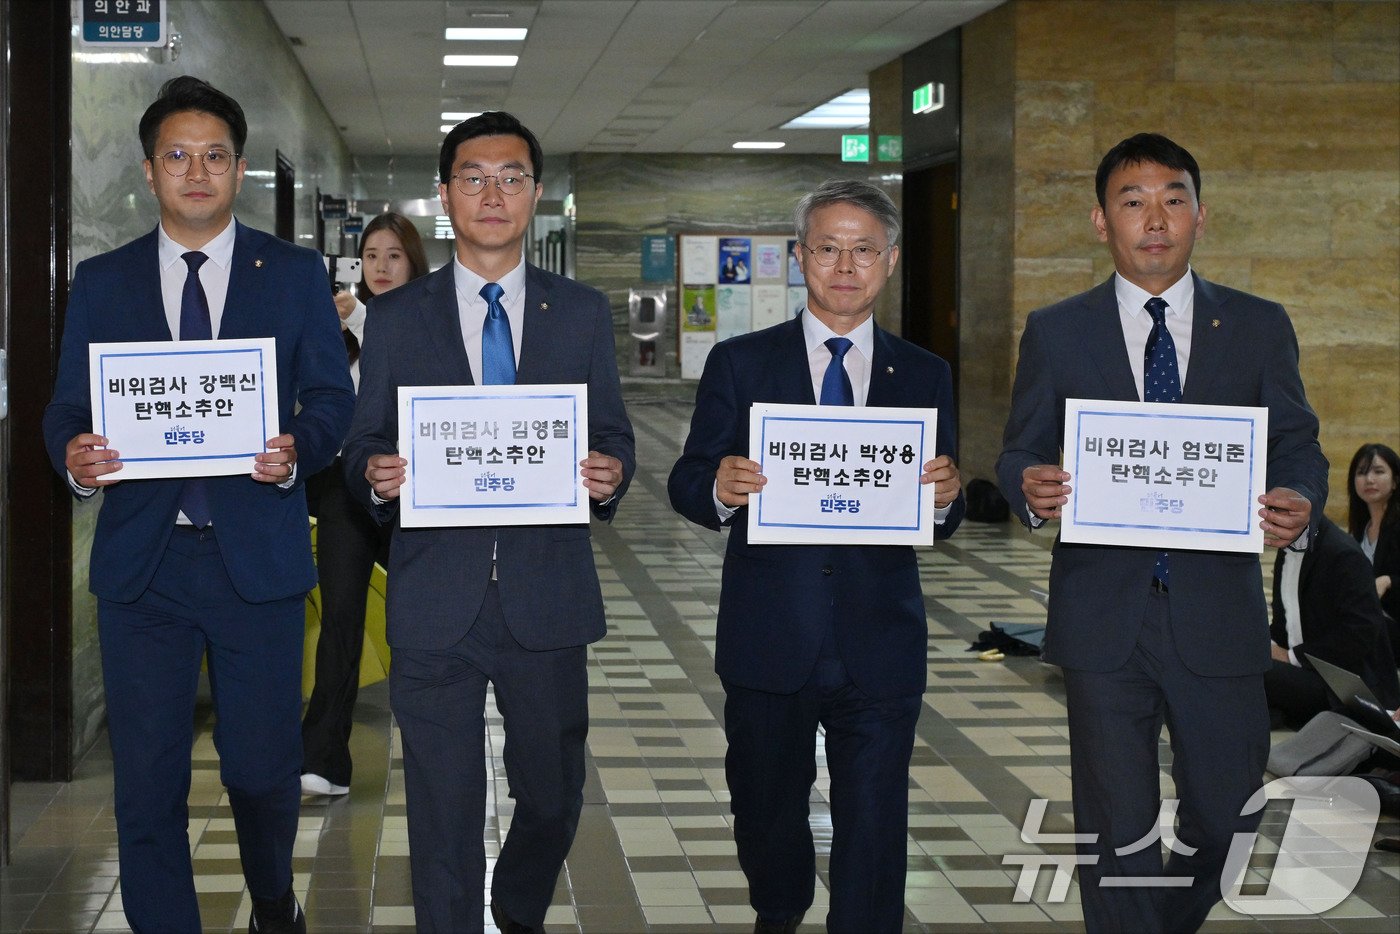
[(654, 850)]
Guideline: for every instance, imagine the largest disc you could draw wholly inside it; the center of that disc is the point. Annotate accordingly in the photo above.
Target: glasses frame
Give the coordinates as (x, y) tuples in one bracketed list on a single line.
[(460, 184), (816, 258), (203, 166)]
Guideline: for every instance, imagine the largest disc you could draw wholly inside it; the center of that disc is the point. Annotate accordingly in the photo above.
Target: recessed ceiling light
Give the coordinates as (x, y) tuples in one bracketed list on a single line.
[(845, 111), (757, 144), (459, 115), (481, 61), (446, 128), (482, 34)]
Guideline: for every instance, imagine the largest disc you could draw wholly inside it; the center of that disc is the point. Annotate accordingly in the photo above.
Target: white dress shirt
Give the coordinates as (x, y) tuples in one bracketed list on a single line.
[(213, 276), (1137, 322), (471, 309), (1288, 593)]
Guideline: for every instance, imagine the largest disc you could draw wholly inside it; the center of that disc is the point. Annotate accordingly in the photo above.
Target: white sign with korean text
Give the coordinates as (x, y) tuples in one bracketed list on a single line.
[(184, 408), (1165, 475), (493, 455), (841, 475)]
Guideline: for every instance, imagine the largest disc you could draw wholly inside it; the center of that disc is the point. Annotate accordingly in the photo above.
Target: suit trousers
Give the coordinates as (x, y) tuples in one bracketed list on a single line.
[(1219, 730), (439, 701), (1298, 694), (348, 542), (151, 655), (770, 767)]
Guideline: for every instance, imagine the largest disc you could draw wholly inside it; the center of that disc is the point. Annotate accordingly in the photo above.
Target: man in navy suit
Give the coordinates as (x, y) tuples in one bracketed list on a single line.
[(219, 564), (830, 635), (513, 606), (1148, 637)]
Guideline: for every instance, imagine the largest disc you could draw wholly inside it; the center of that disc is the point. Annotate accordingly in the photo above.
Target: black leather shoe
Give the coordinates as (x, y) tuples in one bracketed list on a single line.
[(509, 925), (777, 927), (277, 916)]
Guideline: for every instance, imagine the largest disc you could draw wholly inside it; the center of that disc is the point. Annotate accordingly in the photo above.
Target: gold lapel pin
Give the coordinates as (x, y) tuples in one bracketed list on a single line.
[(257, 263), (1215, 322), (544, 306)]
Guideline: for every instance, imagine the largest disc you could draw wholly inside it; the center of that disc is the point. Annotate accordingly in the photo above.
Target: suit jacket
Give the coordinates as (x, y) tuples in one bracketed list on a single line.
[(1243, 352), (1387, 561), (778, 601), (275, 289), (438, 576), (1338, 611)]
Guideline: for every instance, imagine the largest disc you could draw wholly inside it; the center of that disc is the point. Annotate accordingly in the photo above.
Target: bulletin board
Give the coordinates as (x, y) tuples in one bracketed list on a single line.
[(731, 284)]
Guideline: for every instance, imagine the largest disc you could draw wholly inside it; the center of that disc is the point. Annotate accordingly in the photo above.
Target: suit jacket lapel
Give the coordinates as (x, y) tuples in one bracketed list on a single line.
[(795, 370), (246, 276), (1111, 354), (539, 335), (442, 326), (883, 385), (143, 283), (1210, 340)]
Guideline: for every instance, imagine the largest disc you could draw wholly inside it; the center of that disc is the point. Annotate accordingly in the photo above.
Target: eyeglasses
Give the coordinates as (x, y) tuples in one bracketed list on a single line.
[(177, 162), (862, 256), (511, 183)]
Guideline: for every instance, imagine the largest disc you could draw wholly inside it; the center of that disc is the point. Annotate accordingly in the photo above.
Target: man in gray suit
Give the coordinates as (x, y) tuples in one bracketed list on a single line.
[(1148, 637), (513, 606)]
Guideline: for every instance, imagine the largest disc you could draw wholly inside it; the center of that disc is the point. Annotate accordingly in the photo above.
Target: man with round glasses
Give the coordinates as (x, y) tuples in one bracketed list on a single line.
[(514, 606), (204, 565), (829, 635)]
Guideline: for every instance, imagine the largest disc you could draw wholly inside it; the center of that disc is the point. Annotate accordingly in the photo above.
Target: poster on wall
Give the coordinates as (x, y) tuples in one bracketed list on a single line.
[(796, 299), (794, 275), (698, 308), (769, 306), (734, 259), (698, 260), (732, 311), (695, 350), (768, 260)]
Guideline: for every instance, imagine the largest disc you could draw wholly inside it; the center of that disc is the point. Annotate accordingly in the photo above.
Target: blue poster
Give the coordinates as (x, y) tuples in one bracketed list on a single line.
[(658, 258), (734, 260)]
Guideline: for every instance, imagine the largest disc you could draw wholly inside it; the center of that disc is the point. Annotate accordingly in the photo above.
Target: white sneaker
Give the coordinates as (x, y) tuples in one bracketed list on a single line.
[(313, 784)]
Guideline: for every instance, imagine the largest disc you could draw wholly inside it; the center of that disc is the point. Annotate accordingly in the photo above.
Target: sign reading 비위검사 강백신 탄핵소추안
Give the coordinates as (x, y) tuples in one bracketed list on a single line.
[(841, 475), (1164, 475), (184, 408), (493, 455)]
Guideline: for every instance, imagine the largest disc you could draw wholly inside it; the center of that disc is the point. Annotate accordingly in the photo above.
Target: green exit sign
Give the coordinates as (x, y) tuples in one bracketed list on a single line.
[(855, 148), (928, 98), (889, 148)]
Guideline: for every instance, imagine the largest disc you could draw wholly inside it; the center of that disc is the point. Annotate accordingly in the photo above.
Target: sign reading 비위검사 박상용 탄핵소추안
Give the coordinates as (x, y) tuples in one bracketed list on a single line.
[(841, 475), (184, 408), (493, 455), (1164, 475)]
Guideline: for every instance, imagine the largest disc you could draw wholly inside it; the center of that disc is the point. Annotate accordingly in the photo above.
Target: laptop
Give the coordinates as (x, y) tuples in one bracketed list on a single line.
[(1357, 700)]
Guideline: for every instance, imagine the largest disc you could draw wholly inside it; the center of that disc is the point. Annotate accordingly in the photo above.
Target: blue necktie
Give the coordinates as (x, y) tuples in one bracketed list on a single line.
[(195, 325), (497, 349), (836, 385), (1161, 382)]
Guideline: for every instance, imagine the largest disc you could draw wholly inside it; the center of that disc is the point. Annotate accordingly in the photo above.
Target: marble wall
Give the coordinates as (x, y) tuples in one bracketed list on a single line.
[(1293, 112), (236, 46), (619, 197)]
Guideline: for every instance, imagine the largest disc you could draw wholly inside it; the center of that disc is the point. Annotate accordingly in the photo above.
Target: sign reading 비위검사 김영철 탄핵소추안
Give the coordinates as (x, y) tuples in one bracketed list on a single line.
[(184, 408), (1164, 475), (841, 475), (493, 455)]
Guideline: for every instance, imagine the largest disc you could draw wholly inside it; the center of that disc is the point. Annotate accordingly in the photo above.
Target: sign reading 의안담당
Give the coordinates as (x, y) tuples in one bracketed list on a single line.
[(493, 455), (841, 475), (1164, 475), (184, 408)]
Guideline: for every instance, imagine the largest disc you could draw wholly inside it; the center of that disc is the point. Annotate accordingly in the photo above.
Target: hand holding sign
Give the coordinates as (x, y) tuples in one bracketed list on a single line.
[(602, 475), (1286, 514), (943, 473), (736, 478), (275, 464), (89, 460), (1046, 488)]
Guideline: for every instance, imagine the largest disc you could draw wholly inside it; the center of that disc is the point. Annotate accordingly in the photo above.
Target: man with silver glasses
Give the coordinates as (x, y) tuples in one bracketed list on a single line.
[(515, 606), (829, 635)]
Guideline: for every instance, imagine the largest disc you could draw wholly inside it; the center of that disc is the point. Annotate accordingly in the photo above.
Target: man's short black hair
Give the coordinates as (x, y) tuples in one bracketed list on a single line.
[(1146, 147), (491, 123), (190, 93)]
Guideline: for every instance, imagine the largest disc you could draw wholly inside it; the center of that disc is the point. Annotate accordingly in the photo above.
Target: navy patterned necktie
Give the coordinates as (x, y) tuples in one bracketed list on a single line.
[(195, 325), (836, 385), (1161, 382), (497, 349)]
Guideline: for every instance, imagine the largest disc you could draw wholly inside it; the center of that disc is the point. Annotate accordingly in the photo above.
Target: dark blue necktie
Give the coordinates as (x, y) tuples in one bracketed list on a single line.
[(497, 349), (836, 385), (195, 325), (1161, 382)]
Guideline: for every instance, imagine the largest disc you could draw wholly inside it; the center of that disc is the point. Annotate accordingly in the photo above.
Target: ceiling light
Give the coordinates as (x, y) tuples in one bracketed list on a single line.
[(845, 111), (480, 34), (481, 61), (756, 144), (446, 128), (458, 116)]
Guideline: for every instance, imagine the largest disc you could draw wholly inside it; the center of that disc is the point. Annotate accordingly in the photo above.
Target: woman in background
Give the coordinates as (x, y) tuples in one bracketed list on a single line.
[(348, 540), (1373, 518)]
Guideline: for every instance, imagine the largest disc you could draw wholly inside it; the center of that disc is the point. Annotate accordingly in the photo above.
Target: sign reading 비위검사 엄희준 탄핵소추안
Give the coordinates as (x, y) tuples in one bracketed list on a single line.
[(1164, 475), (841, 475), (184, 408), (493, 455)]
